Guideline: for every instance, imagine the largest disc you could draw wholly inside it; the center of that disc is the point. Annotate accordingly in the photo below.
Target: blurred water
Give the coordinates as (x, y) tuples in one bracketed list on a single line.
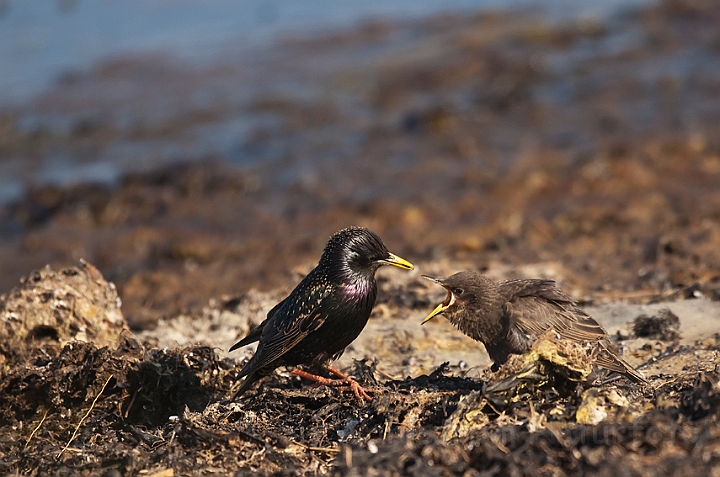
[(42, 39), (45, 41)]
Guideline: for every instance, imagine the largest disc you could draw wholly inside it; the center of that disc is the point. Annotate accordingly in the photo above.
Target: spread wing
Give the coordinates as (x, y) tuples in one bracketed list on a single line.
[(535, 306), (299, 314)]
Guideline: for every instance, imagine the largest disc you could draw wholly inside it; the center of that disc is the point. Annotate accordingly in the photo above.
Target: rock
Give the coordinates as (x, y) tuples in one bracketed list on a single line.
[(51, 308)]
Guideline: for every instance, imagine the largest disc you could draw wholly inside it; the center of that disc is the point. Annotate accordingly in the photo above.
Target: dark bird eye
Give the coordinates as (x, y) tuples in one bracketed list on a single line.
[(458, 291)]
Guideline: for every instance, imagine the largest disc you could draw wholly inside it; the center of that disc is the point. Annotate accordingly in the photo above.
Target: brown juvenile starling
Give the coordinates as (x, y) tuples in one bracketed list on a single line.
[(325, 312), (508, 316)]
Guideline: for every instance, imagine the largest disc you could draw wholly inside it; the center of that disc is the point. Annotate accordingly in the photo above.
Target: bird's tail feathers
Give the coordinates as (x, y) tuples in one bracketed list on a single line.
[(608, 359), (247, 384)]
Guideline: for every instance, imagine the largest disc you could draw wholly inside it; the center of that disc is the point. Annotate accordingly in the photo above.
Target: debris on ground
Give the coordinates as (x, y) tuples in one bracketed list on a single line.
[(665, 325), (128, 407)]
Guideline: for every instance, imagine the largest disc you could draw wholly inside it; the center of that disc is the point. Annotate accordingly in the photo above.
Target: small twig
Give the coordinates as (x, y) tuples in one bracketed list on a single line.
[(487, 401), (36, 429), (348, 457), (132, 401), (631, 294), (385, 375), (669, 381), (499, 444), (330, 450), (77, 428)]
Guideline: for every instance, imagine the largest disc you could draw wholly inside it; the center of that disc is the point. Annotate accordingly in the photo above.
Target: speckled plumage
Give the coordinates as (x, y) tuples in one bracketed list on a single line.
[(326, 311), (509, 316)]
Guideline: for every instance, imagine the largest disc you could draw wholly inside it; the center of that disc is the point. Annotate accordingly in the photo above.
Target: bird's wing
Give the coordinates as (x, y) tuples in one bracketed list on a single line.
[(535, 306), (256, 332), (301, 314), (274, 310), (607, 358)]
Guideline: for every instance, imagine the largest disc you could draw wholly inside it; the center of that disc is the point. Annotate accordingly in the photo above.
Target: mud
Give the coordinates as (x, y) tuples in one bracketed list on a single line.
[(583, 152)]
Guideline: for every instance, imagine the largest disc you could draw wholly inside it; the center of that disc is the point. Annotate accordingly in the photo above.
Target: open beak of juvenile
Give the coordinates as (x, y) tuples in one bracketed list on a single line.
[(397, 262), (449, 300)]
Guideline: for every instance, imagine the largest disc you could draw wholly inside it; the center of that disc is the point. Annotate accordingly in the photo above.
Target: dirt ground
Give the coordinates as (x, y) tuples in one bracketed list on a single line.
[(109, 404), (585, 152)]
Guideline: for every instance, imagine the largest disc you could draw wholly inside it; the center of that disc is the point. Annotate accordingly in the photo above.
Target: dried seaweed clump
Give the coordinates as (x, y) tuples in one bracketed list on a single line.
[(52, 308), (665, 325)]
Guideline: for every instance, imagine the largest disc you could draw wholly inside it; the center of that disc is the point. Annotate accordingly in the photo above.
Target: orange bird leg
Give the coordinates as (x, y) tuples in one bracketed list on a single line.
[(344, 381)]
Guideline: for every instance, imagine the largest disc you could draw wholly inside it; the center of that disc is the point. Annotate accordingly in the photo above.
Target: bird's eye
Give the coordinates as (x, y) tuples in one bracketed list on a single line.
[(458, 291)]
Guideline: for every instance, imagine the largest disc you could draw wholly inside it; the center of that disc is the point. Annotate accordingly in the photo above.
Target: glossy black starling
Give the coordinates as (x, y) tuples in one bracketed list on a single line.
[(508, 316), (325, 312)]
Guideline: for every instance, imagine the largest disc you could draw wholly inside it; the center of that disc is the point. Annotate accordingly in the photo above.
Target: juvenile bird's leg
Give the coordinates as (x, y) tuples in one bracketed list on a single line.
[(344, 381)]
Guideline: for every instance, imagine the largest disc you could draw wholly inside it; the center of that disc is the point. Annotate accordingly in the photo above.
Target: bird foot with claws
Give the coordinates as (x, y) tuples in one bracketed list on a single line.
[(344, 383)]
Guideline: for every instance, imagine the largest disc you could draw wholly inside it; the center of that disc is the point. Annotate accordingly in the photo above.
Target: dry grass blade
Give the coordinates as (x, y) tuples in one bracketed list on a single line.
[(36, 428), (77, 428)]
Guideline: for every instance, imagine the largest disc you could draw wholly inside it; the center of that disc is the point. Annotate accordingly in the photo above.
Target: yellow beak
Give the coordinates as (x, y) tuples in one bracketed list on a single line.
[(441, 307), (398, 262)]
